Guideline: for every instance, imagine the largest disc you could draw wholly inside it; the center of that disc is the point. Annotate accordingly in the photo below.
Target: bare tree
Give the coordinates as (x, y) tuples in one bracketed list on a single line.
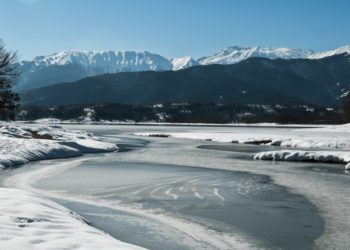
[(8, 75)]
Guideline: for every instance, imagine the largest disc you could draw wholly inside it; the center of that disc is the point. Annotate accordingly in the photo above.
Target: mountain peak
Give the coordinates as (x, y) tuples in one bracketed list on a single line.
[(183, 62), (341, 50), (235, 54)]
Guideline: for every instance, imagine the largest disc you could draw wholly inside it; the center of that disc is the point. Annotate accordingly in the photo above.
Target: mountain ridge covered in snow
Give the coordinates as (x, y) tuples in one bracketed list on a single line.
[(115, 61), (301, 81), (141, 60), (69, 66), (235, 54), (338, 51)]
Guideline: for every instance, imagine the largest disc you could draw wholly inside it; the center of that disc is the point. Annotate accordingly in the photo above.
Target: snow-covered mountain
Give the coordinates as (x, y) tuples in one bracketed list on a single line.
[(107, 61), (338, 51), (235, 54), (74, 65), (183, 62), (69, 66)]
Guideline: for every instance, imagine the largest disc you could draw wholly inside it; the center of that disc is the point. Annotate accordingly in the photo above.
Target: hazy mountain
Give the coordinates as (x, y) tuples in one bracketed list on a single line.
[(236, 54), (255, 80)]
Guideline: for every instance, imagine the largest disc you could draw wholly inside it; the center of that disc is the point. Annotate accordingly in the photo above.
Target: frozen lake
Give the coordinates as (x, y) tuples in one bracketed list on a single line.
[(164, 193)]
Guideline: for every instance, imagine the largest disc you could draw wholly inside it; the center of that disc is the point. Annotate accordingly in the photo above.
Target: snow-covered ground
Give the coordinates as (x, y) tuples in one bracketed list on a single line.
[(22, 142), (29, 221), (323, 144)]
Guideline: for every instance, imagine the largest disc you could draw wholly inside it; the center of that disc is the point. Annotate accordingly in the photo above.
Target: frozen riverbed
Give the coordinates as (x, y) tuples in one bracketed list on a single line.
[(173, 193), (218, 203)]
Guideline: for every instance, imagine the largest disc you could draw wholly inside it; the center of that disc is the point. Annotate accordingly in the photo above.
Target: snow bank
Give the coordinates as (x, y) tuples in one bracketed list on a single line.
[(298, 155), (29, 221), (334, 137), (273, 139), (21, 143)]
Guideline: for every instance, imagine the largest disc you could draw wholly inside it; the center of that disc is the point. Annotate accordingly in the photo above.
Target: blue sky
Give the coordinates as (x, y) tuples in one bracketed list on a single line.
[(172, 27)]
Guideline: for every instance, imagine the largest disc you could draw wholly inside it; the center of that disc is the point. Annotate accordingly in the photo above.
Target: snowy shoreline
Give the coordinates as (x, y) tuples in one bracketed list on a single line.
[(323, 144), (30, 221), (21, 143)]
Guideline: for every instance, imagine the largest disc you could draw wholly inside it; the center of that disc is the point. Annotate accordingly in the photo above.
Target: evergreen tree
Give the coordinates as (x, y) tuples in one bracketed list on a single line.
[(8, 74)]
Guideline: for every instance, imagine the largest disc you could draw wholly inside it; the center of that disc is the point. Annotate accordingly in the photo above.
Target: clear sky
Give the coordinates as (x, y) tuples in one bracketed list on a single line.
[(172, 28)]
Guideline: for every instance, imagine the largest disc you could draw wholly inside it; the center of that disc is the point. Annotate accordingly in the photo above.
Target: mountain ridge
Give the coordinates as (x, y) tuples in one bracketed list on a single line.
[(235, 54), (69, 66), (255, 80), (341, 50)]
